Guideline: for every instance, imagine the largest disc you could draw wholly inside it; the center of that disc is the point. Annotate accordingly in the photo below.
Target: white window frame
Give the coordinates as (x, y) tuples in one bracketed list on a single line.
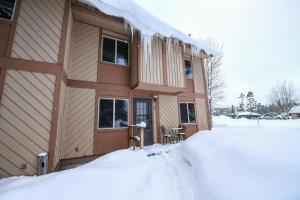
[(114, 111), (116, 47), (191, 67), (188, 112), (13, 13)]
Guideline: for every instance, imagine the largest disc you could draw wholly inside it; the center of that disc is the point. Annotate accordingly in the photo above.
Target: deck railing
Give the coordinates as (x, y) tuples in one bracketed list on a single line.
[(133, 137)]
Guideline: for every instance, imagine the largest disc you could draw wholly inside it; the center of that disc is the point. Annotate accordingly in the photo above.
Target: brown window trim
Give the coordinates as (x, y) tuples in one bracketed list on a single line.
[(188, 123)]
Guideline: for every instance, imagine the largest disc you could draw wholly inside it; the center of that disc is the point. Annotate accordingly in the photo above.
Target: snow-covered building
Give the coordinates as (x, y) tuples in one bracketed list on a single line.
[(295, 112), (248, 115), (75, 74)]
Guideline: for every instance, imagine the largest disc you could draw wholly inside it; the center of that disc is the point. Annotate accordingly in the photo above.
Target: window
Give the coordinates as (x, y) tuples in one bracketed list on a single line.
[(113, 113), (7, 9), (188, 69), (115, 51), (187, 113)]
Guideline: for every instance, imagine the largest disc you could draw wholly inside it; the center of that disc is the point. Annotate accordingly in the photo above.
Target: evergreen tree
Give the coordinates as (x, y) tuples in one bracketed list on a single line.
[(251, 102), (242, 103)]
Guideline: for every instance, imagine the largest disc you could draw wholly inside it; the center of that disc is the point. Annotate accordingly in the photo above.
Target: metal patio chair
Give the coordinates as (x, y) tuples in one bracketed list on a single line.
[(166, 136)]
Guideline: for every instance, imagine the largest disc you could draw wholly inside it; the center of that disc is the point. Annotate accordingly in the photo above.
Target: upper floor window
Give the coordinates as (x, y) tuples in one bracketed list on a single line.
[(113, 113), (115, 51), (188, 69), (7, 9), (187, 113)]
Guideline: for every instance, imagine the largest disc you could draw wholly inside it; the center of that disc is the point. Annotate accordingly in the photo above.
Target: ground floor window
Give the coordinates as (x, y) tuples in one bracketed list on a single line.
[(7, 9), (187, 113), (113, 113)]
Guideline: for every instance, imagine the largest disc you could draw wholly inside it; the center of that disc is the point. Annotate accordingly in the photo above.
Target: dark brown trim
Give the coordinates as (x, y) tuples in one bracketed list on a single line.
[(95, 85), (206, 97), (64, 33), (29, 65), (158, 138), (13, 29), (53, 130), (159, 88), (2, 81)]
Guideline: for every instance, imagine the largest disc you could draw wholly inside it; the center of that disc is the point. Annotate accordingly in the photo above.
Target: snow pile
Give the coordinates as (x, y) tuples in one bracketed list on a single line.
[(140, 19), (239, 159)]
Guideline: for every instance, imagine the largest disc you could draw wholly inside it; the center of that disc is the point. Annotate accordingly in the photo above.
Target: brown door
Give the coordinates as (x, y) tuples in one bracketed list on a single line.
[(142, 112)]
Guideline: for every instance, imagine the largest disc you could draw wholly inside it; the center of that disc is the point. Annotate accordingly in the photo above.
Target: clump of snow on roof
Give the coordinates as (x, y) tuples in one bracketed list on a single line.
[(295, 109), (140, 19)]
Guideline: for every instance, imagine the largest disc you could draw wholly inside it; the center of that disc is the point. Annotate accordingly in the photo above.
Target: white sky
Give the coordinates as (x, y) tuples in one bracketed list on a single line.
[(261, 38)]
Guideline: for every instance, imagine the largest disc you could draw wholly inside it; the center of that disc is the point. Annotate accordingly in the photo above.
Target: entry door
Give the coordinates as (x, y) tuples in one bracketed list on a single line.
[(142, 112)]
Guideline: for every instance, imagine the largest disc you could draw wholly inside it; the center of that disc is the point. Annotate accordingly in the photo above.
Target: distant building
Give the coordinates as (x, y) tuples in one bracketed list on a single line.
[(295, 112), (248, 115)]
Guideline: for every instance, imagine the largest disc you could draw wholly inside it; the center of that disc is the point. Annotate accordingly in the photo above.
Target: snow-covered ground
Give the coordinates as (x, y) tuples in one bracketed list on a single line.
[(239, 159)]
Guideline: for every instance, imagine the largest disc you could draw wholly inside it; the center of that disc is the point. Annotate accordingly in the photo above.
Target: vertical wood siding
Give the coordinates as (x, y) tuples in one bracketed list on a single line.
[(201, 114), (60, 123), (168, 110), (198, 75), (152, 63), (175, 65), (85, 43), (25, 120), (79, 130), (38, 30)]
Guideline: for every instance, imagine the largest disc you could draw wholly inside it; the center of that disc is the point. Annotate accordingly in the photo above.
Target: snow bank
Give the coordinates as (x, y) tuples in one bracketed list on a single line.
[(140, 19), (239, 159)]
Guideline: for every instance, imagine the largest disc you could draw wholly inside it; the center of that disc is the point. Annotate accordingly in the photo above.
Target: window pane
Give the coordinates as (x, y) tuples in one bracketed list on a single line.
[(7, 9), (121, 113), (108, 51), (188, 69), (183, 113), (122, 53), (106, 113), (192, 116)]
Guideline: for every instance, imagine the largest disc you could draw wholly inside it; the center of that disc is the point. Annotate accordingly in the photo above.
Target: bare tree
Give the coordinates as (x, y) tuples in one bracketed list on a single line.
[(283, 95), (214, 75)]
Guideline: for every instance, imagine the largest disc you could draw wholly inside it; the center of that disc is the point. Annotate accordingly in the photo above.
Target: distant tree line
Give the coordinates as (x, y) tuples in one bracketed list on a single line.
[(282, 99)]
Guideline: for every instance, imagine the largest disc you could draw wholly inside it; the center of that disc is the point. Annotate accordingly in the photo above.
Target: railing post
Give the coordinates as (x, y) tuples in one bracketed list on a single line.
[(142, 137)]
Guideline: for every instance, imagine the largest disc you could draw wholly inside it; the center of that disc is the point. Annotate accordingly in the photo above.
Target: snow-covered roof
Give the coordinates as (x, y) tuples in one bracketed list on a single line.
[(295, 109), (140, 19), (248, 113)]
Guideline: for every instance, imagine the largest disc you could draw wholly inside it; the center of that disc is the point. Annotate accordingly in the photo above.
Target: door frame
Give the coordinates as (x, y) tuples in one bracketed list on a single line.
[(150, 100)]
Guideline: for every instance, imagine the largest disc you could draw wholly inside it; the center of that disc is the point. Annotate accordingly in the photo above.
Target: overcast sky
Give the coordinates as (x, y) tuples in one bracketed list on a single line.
[(261, 38)]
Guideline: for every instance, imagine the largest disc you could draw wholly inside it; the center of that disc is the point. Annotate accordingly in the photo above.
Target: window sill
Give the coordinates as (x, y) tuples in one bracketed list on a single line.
[(5, 21), (115, 65), (101, 130), (186, 124)]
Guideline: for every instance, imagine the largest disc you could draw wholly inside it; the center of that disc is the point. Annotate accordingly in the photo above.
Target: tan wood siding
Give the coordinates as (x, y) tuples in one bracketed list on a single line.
[(201, 114), (85, 43), (25, 120), (60, 123), (80, 114), (198, 75), (175, 65), (152, 63), (68, 50), (168, 111), (38, 30)]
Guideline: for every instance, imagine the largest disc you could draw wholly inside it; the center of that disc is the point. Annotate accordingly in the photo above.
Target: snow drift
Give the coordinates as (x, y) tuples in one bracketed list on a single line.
[(239, 159), (140, 19)]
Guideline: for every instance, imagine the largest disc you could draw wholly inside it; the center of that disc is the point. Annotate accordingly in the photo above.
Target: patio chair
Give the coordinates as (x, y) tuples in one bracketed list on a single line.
[(182, 132), (166, 136)]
